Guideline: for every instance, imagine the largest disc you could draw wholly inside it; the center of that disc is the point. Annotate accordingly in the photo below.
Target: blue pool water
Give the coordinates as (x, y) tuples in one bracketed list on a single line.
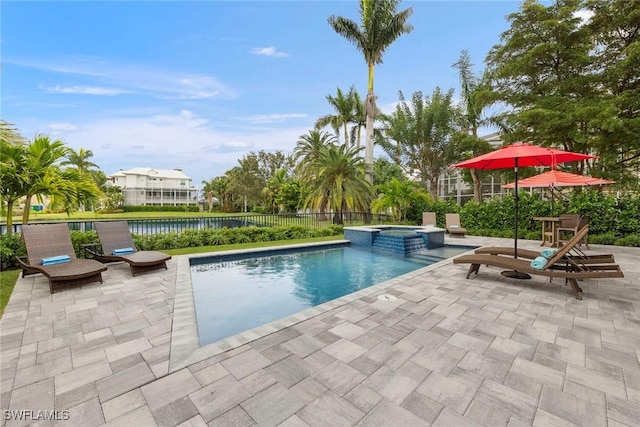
[(235, 295)]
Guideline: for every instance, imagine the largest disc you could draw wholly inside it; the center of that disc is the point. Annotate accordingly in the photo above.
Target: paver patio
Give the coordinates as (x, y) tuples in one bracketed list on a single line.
[(447, 351)]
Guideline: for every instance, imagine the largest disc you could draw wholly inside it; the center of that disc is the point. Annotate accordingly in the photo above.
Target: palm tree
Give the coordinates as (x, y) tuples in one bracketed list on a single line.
[(359, 119), (80, 160), (340, 180), (43, 176), (308, 150), (207, 192), (474, 97), (344, 107), (220, 189), (381, 25), (395, 195), (13, 165)]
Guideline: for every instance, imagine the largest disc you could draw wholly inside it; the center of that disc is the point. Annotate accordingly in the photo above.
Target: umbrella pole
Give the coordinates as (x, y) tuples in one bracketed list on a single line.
[(511, 273)]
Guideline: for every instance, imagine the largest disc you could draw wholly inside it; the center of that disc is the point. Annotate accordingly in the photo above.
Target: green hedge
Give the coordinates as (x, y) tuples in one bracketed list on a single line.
[(161, 209), (612, 220), (11, 245)]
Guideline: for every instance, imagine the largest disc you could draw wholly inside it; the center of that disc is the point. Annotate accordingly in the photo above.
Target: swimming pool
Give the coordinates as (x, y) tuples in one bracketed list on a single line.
[(236, 293)]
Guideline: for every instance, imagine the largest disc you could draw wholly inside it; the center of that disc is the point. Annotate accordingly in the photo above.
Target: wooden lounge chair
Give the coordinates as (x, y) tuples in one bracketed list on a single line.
[(428, 218), (453, 225), (114, 237), (557, 266), (53, 240), (578, 257)]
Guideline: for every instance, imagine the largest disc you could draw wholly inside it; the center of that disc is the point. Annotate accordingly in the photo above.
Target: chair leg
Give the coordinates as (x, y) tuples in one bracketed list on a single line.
[(575, 287), (473, 268)]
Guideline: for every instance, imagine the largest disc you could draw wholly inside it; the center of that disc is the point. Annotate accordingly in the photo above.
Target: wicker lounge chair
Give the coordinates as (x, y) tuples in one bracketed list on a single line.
[(453, 225), (114, 237), (557, 266), (53, 240)]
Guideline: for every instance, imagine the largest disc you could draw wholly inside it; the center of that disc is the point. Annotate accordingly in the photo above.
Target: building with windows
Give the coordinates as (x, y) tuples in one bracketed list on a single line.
[(451, 183), (154, 187)]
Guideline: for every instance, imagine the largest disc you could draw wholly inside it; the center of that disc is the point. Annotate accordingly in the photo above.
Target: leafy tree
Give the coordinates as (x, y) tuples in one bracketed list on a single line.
[(543, 70), (384, 171), (113, 198), (344, 106), (419, 135), (289, 195), (340, 180), (273, 188), (615, 26), (246, 181), (381, 24)]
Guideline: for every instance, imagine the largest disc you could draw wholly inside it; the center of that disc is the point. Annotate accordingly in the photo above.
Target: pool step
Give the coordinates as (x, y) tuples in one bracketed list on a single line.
[(425, 256), (398, 244)]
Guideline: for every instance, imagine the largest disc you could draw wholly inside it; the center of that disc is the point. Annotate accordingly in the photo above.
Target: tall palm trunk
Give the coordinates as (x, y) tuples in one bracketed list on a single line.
[(27, 208), (370, 113), (477, 185), (9, 216)]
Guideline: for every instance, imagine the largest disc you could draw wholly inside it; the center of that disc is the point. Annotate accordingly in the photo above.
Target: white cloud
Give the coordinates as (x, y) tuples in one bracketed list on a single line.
[(181, 140), (273, 118), (130, 77), (237, 145), (62, 127), (268, 51), (84, 90)]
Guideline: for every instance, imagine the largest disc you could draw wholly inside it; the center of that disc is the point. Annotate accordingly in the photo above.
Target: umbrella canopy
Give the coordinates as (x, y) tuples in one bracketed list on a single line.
[(556, 178), (513, 156), (521, 154)]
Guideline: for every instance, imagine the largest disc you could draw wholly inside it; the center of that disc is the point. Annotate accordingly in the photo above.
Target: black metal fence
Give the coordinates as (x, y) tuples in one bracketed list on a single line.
[(164, 225)]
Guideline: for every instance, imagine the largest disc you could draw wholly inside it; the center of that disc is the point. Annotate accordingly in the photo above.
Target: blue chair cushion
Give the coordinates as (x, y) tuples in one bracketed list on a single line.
[(123, 251), (58, 259)]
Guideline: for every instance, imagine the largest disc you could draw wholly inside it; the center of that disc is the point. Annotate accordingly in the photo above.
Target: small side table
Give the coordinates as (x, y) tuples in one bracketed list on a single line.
[(549, 232)]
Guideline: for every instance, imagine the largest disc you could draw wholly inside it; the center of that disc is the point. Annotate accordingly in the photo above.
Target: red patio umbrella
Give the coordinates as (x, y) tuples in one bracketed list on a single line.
[(555, 178), (513, 156)]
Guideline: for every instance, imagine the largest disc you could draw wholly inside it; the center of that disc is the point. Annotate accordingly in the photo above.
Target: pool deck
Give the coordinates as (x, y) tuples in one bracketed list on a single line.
[(447, 351)]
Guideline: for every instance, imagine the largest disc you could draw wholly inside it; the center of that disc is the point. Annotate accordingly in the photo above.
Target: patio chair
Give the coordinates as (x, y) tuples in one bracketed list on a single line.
[(428, 218), (50, 252), (576, 255), (557, 266), (117, 245), (568, 226), (453, 225)]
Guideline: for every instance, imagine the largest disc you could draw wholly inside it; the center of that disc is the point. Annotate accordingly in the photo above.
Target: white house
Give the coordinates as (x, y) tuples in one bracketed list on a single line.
[(154, 187)]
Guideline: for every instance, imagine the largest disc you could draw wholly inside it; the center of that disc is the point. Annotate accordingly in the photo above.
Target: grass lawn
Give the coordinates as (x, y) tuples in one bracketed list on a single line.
[(8, 278)]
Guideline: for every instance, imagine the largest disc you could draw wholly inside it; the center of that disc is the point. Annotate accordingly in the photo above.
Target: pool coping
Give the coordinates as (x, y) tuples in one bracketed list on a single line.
[(185, 343)]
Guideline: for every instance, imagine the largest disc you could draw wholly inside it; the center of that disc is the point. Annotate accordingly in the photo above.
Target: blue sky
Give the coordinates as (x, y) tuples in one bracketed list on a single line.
[(196, 85)]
